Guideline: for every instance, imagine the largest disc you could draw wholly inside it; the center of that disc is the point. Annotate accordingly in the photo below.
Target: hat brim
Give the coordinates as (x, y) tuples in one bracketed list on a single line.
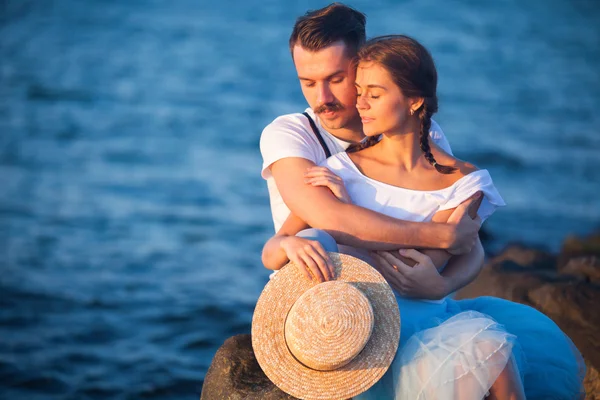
[(294, 378)]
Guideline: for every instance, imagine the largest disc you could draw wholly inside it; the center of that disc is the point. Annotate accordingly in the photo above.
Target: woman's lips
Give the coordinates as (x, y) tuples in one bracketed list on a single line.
[(366, 120)]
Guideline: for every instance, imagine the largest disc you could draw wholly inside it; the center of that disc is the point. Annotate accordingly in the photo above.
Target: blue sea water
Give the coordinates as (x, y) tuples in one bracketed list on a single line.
[(132, 212)]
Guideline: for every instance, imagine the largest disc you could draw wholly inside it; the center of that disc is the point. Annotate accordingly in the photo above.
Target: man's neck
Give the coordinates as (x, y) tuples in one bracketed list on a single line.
[(351, 133)]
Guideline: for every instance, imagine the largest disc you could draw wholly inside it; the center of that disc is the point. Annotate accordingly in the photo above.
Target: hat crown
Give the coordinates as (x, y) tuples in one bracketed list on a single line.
[(329, 325)]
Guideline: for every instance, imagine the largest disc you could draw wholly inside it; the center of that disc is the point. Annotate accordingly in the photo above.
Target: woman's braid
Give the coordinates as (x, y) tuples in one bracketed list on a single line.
[(368, 142), (425, 118)]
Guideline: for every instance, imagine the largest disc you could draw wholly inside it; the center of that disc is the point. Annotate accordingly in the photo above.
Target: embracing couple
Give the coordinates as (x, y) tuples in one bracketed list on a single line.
[(366, 171)]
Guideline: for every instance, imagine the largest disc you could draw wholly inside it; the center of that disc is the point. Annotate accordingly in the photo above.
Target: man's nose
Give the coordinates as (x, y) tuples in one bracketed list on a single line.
[(324, 95)]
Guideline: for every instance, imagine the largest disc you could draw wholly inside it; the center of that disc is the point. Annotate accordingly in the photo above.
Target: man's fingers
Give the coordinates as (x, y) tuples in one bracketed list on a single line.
[(460, 211), (469, 207), (475, 202)]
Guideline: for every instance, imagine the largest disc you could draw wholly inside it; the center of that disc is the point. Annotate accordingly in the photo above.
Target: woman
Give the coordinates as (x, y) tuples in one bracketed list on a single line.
[(449, 349)]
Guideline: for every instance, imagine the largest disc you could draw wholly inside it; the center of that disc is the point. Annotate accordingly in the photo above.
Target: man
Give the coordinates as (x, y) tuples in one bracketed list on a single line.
[(323, 44)]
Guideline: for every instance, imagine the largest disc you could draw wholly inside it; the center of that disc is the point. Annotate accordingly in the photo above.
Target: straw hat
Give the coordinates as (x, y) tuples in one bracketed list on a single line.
[(331, 340)]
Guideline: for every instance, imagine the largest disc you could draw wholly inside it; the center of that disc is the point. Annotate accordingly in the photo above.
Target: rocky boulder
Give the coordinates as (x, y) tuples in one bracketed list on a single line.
[(235, 375), (565, 287)]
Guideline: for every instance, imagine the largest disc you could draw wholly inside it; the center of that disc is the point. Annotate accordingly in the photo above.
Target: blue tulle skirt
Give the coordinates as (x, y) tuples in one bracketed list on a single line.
[(456, 349)]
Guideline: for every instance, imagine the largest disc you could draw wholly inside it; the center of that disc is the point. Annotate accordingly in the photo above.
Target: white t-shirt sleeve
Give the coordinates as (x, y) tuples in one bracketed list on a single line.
[(283, 138), (471, 184), (437, 135)]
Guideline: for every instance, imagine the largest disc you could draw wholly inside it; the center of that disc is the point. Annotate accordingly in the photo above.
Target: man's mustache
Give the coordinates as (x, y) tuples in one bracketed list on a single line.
[(328, 107)]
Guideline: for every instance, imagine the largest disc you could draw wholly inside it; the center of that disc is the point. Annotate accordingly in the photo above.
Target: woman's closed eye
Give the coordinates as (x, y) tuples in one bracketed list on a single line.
[(371, 96)]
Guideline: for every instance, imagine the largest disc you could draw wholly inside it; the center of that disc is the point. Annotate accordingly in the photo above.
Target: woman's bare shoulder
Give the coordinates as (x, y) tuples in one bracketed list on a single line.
[(463, 167)]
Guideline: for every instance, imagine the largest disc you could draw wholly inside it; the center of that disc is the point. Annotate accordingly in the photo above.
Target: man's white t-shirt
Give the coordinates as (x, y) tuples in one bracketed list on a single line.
[(291, 136)]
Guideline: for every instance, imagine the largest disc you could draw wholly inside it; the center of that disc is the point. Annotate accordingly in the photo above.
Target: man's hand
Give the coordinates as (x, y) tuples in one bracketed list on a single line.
[(309, 257), (467, 225), (422, 281)]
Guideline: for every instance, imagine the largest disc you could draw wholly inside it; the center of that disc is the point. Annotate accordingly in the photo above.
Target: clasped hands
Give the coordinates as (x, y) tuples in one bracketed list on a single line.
[(422, 280)]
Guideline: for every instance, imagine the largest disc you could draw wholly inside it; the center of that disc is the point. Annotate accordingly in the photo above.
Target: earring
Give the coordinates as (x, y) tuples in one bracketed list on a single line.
[(412, 112)]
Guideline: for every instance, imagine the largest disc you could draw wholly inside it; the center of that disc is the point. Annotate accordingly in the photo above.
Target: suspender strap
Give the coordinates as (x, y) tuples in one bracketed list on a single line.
[(318, 134)]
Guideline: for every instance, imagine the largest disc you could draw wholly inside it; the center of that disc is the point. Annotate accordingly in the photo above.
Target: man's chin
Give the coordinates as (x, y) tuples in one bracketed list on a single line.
[(333, 124), (332, 120)]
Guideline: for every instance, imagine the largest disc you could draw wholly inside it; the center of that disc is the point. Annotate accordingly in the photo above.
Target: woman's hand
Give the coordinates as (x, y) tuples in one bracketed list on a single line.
[(322, 176), (309, 257), (421, 281)]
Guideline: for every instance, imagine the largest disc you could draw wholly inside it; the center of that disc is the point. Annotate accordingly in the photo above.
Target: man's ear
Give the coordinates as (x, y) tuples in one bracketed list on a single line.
[(415, 103)]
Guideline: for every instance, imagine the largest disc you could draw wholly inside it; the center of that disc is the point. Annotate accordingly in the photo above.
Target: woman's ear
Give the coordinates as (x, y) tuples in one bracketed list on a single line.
[(415, 103)]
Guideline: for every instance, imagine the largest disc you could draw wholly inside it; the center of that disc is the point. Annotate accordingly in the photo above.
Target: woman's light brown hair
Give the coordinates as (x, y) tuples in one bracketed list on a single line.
[(412, 69)]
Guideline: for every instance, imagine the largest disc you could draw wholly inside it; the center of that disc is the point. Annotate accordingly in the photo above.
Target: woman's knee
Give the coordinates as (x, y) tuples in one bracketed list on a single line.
[(324, 238)]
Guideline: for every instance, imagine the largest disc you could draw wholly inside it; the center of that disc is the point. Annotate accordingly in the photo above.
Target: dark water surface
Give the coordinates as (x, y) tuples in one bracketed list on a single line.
[(132, 212)]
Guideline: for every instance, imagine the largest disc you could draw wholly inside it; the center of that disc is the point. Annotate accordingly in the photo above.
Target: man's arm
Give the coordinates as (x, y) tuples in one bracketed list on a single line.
[(462, 270), (359, 227), (441, 257)]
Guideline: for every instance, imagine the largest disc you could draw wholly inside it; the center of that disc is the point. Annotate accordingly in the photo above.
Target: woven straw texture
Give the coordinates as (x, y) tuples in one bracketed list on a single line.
[(273, 308)]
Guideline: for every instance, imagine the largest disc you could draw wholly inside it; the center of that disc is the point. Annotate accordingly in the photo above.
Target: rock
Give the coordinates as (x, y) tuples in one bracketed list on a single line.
[(586, 267), (526, 257), (581, 257), (235, 375), (592, 385), (565, 287)]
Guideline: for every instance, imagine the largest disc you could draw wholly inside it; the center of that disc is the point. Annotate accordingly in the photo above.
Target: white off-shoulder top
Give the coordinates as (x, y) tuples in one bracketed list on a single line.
[(410, 204)]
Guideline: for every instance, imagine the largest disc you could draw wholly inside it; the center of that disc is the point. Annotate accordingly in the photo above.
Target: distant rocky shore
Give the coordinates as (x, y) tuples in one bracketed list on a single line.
[(566, 287)]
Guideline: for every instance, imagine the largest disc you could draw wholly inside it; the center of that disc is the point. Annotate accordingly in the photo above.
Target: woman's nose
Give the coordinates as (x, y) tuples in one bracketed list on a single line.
[(361, 104)]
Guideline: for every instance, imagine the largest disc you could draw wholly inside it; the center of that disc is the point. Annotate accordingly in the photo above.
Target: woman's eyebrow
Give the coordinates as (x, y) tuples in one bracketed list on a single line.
[(370, 86)]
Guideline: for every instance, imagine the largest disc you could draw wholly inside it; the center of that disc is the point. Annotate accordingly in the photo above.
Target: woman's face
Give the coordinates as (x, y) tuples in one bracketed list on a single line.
[(380, 102)]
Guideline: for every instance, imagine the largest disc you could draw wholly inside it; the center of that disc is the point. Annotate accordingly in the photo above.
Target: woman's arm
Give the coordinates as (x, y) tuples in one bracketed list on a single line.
[(273, 255), (308, 255)]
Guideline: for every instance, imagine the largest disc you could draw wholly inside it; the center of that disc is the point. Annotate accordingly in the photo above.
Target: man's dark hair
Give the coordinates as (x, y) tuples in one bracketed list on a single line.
[(321, 28)]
